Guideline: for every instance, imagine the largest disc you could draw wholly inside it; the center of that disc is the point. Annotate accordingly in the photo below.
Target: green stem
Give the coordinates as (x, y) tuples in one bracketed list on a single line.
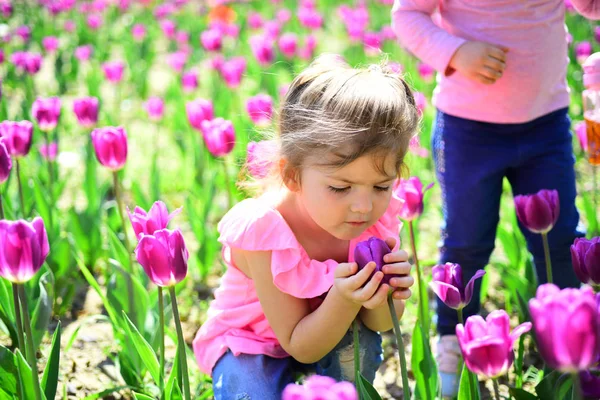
[(227, 185), (461, 319), (400, 343), (20, 189), (356, 351), (547, 257), (161, 333), (181, 344), (423, 298), (1, 206), (496, 389), (30, 344), (15, 290), (577, 394)]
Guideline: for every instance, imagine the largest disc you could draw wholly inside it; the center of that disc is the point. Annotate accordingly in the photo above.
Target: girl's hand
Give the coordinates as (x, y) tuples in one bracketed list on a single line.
[(479, 61), (357, 288), (397, 264)]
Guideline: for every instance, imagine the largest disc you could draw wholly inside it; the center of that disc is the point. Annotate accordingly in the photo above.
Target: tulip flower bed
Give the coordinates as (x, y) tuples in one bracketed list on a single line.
[(123, 126)]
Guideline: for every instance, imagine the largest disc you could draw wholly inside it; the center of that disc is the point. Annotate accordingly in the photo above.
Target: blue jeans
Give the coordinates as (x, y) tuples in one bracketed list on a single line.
[(471, 160), (260, 377)]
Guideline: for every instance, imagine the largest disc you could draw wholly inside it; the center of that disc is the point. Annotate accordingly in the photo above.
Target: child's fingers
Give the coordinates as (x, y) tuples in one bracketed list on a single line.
[(401, 294), (358, 280), (344, 270), (365, 293), (395, 256), (378, 298), (399, 268), (402, 282), (391, 242)]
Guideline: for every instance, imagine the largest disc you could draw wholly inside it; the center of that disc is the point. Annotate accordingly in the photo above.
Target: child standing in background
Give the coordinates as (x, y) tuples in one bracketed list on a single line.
[(502, 111), (291, 290)]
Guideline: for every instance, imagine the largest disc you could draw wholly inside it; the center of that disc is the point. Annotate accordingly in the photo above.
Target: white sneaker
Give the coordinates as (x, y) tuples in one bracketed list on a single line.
[(448, 356)]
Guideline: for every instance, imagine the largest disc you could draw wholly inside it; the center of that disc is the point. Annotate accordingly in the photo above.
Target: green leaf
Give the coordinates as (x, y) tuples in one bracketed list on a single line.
[(119, 296), (42, 197), (144, 349), (520, 394), (43, 308), (140, 396), (545, 389), (106, 392), (118, 250), (564, 383), (9, 374), (366, 391), (172, 381), (50, 377), (423, 366), (7, 315), (464, 389), (25, 376)]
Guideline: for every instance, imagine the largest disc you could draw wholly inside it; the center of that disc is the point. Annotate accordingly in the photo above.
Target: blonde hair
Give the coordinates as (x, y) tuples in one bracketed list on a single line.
[(331, 109)]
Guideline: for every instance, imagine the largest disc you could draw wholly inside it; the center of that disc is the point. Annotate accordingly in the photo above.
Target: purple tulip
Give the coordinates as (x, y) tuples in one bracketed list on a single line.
[(163, 256), (46, 112), (168, 28), (23, 249), (487, 345), (538, 212), (6, 9), (373, 250), (219, 136), (262, 47), (110, 145), (83, 53), (86, 111), (567, 327), (50, 44), (113, 71), (189, 81), (590, 384), (5, 162), (23, 32), (232, 71), (212, 40), (138, 32), (426, 72), (155, 108), (157, 218), (310, 18), (288, 43), (447, 283), (198, 111), (318, 387), (583, 50), (255, 20), (260, 109), (49, 152), (17, 137), (585, 255), (27, 61), (411, 192)]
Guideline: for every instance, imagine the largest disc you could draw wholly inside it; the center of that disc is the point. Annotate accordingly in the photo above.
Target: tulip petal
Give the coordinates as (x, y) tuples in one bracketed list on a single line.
[(520, 330), (475, 327), (578, 264), (362, 254), (539, 214), (42, 236), (469, 288), (154, 258), (447, 293), (498, 324), (591, 262)]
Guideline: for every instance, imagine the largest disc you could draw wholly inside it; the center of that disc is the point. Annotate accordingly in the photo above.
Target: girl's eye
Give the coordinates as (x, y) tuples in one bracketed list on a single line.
[(382, 189), (338, 190)]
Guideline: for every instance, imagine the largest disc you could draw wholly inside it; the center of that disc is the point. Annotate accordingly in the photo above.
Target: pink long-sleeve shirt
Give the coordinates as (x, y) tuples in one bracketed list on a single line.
[(534, 82)]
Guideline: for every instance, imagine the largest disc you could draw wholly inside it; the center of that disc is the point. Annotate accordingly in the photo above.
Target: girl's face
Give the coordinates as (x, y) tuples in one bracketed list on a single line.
[(346, 201)]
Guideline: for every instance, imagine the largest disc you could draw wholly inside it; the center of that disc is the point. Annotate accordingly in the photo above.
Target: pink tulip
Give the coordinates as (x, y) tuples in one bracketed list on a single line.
[(581, 132), (318, 387), (308, 51), (426, 72), (255, 20), (310, 18), (155, 108), (110, 145), (46, 112), (17, 137), (387, 33), (219, 136), (23, 249), (447, 283), (94, 21), (198, 111), (211, 40), (27, 61), (86, 111), (138, 32), (282, 91), (288, 42), (258, 162), (487, 345), (372, 43), (49, 152), (272, 29), (83, 53), (583, 51), (113, 71), (356, 20), (415, 148), (50, 44), (163, 10), (23, 32), (163, 256), (1, 56), (168, 28), (260, 109), (538, 212), (69, 26), (232, 71), (147, 223), (283, 15), (177, 61), (6, 8), (262, 47), (420, 101), (411, 191), (5, 162), (189, 81)]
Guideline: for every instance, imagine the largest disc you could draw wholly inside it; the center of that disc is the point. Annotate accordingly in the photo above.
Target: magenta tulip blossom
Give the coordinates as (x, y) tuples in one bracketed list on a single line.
[(24, 32), (447, 283), (113, 71), (288, 43), (232, 71), (567, 327), (27, 61), (257, 160), (373, 250), (585, 255), (487, 345), (581, 133), (157, 218), (17, 137), (110, 145), (426, 71), (155, 108), (262, 47), (310, 18), (163, 256), (177, 60), (50, 44), (23, 249), (95, 21), (5, 162), (46, 112), (318, 387), (83, 53), (211, 39), (49, 152), (260, 109), (538, 212), (411, 192), (138, 32), (219, 136), (168, 28), (86, 111), (189, 81), (198, 111)]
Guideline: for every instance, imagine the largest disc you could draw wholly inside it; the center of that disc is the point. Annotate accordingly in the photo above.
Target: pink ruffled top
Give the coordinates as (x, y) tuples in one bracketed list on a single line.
[(236, 320)]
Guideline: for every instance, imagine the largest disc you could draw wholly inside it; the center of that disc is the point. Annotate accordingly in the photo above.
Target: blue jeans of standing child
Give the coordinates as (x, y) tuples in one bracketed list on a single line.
[(471, 160), (260, 377)]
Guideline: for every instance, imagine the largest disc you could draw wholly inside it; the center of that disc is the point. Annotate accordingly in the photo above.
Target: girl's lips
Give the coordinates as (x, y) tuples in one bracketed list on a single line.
[(357, 223)]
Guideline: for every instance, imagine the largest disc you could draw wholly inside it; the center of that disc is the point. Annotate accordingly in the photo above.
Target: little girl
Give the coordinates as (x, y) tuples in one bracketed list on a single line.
[(291, 290)]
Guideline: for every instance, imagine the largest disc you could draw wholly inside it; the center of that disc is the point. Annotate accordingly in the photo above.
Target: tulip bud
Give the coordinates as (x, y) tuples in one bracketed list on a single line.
[(585, 255), (219, 136), (50, 44), (138, 32), (232, 71), (373, 250), (86, 111), (262, 48), (5, 162), (110, 145), (538, 212), (23, 249), (46, 112), (83, 53), (17, 137), (163, 256), (288, 42), (189, 81), (155, 108), (260, 109), (198, 111), (113, 71), (447, 283), (411, 192), (211, 40), (155, 219)]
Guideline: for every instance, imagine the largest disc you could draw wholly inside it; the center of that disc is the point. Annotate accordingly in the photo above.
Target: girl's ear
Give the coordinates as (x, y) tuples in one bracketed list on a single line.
[(289, 175)]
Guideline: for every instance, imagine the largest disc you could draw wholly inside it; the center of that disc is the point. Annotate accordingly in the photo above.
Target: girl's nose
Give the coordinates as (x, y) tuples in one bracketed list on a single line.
[(361, 204)]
